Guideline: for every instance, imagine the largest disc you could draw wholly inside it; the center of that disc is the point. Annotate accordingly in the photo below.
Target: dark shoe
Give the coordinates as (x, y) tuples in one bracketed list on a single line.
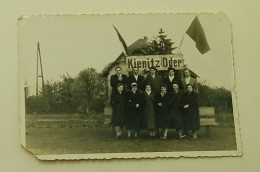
[(119, 137), (137, 137), (163, 137), (194, 137), (182, 136)]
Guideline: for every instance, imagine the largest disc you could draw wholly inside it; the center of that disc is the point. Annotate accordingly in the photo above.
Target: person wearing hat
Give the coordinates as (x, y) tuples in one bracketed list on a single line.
[(154, 79), (118, 78), (149, 113), (136, 77), (162, 108), (117, 102), (134, 116), (170, 79)]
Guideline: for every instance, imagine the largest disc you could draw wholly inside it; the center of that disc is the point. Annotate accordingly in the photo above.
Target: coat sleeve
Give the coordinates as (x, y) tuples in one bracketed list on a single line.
[(142, 99), (183, 100), (129, 80), (112, 101), (129, 100), (142, 83), (156, 100), (112, 81), (168, 100), (194, 100)]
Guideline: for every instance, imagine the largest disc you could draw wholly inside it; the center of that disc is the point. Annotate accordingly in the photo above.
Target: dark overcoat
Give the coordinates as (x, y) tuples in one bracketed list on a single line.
[(191, 119), (114, 80), (162, 112), (134, 115), (155, 82), (149, 113), (139, 81), (169, 83), (176, 110), (118, 103)]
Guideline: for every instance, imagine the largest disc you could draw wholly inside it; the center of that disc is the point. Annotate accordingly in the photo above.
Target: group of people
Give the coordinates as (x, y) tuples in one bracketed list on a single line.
[(155, 103)]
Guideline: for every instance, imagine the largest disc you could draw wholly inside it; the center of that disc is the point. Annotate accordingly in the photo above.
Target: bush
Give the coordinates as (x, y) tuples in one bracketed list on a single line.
[(219, 98), (71, 95)]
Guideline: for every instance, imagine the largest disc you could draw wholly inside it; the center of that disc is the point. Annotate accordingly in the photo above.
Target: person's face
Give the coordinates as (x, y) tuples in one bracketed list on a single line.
[(134, 88), (118, 71), (175, 87), (163, 89), (171, 72), (120, 88), (189, 88), (152, 71), (186, 73), (148, 88), (135, 71)]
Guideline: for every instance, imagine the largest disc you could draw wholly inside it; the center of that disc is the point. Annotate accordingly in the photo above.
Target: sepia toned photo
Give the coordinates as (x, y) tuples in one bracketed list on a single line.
[(127, 86)]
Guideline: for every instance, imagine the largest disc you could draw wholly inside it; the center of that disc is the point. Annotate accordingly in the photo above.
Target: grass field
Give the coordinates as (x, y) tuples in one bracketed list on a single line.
[(100, 140)]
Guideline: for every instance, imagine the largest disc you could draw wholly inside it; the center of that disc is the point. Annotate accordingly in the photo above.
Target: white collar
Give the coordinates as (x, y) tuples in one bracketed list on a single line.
[(148, 92), (187, 80), (163, 94), (171, 77)]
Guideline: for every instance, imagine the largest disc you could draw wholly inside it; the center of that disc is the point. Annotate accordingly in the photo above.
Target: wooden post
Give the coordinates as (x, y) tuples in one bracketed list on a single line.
[(207, 131)]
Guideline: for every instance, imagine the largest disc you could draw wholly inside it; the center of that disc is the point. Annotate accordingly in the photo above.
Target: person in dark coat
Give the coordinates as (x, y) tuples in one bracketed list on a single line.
[(162, 103), (149, 113), (154, 79), (137, 78), (118, 78), (191, 121), (170, 79), (135, 101), (176, 109), (117, 102)]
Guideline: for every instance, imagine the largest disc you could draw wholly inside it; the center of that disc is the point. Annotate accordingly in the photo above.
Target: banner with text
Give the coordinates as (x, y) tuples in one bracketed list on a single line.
[(161, 62)]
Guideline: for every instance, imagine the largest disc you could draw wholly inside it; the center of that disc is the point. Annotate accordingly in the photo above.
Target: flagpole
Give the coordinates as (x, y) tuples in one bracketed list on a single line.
[(181, 43)]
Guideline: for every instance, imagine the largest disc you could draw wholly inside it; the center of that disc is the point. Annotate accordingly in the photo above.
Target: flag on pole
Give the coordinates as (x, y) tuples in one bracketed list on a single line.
[(196, 32), (125, 51)]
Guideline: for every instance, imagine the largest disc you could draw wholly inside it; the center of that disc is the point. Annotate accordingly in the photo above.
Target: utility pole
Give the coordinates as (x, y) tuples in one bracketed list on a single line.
[(39, 60)]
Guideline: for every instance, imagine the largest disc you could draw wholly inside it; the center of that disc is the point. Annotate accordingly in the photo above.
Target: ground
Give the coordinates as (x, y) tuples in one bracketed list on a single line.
[(100, 140)]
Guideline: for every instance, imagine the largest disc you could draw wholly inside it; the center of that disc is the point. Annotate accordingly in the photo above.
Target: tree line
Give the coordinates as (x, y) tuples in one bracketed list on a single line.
[(87, 93)]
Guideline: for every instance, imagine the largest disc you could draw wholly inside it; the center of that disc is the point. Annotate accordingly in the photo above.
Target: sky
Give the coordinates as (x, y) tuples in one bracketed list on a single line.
[(70, 44)]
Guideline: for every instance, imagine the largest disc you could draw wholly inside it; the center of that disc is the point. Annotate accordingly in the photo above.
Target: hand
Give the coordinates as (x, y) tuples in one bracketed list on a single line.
[(186, 106), (137, 105), (160, 104)]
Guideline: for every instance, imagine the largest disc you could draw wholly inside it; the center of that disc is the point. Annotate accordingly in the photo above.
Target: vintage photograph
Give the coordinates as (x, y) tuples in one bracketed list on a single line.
[(127, 86)]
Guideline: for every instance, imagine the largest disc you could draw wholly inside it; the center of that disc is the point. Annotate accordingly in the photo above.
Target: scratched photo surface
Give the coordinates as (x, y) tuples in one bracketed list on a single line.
[(127, 86)]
